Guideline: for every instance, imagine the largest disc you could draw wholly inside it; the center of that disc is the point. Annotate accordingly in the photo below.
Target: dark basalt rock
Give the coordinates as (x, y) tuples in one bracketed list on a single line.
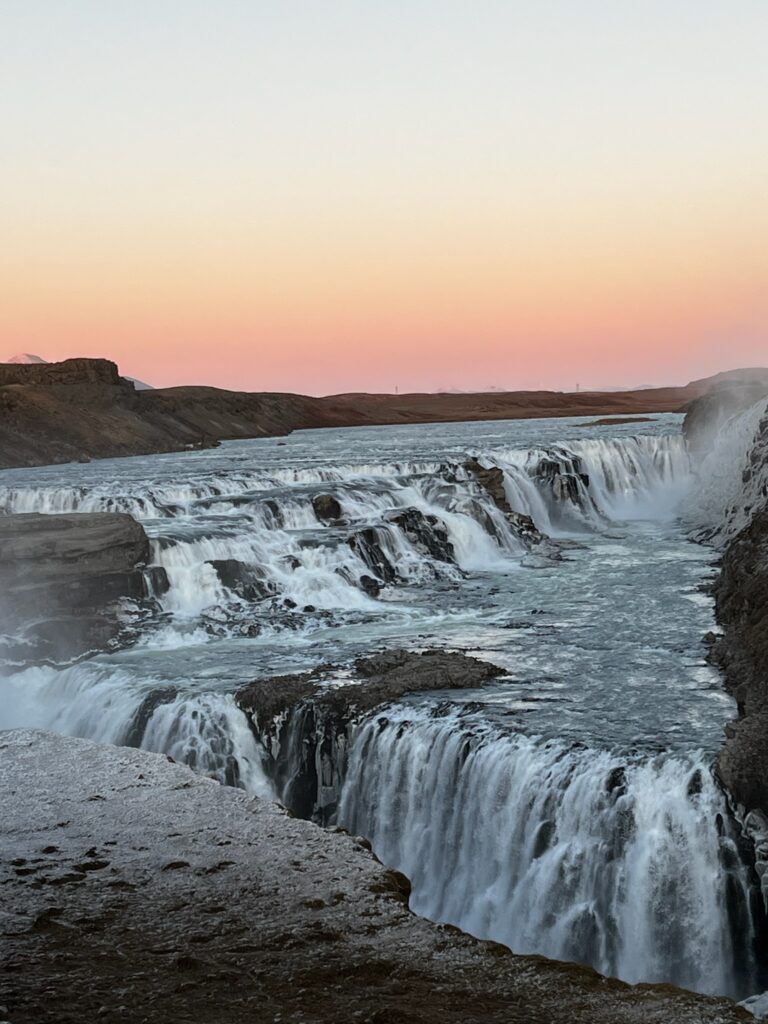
[(153, 700), (565, 478), (246, 581), (741, 601), (370, 585), (304, 725), (492, 480), (61, 577), (367, 545), (327, 508), (427, 534)]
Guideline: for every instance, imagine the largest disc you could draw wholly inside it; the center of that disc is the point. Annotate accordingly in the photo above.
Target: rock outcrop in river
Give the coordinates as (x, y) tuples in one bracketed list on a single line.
[(304, 723), (135, 890), (62, 576)]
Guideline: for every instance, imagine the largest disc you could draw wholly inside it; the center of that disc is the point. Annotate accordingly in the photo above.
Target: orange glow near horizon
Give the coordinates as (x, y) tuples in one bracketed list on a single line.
[(375, 232)]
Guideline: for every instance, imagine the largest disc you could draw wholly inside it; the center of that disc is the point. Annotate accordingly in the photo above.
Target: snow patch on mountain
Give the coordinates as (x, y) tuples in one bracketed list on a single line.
[(30, 357)]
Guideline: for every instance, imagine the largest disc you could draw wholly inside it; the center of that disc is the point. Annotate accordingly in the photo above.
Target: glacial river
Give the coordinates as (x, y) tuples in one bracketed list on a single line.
[(568, 809)]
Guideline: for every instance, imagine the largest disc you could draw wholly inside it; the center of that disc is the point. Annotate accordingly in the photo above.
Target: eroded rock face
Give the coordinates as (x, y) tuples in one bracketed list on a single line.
[(426, 532), (305, 726), (741, 600), (61, 575), (327, 508), (247, 581), (492, 480), (135, 891), (68, 372)]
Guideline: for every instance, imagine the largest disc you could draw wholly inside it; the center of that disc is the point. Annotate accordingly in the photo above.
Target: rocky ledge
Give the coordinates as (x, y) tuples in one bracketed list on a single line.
[(136, 891), (741, 600), (741, 589), (62, 576), (304, 723)]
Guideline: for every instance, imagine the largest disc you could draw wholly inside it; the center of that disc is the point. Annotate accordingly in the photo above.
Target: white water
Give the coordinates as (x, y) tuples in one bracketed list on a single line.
[(599, 630), (572, 853), (727, 488), (265, 519)]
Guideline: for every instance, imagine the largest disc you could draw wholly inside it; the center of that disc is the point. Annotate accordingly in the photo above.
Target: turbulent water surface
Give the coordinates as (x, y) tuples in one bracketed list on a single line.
[(570, 808)]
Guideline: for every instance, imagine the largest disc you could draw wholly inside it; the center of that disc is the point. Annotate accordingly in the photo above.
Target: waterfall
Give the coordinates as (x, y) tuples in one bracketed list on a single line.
[(624, 863), (627, 861), (230, 539), (731, 478), (206, 731)]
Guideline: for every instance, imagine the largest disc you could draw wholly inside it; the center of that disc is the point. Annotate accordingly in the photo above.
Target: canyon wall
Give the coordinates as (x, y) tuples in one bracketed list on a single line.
[(733, 427)]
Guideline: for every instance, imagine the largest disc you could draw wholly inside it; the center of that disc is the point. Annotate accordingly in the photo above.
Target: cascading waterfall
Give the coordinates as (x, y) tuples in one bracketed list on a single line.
[(625, 861), (266, 520), (576, 854), (206, 731)]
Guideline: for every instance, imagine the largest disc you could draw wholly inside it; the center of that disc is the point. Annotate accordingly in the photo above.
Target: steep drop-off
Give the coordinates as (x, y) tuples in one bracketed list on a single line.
[(134, 890), (740, 471)]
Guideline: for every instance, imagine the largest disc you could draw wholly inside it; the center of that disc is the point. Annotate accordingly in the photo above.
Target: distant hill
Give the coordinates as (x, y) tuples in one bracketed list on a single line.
[(26, 357), (82, 408), (29, 358)]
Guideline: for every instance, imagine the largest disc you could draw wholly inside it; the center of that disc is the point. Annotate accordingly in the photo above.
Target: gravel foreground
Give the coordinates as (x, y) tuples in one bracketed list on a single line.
[(136, 891)]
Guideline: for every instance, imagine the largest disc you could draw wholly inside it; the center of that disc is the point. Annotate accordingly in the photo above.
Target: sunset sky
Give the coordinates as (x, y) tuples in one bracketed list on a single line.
[(334, 196)]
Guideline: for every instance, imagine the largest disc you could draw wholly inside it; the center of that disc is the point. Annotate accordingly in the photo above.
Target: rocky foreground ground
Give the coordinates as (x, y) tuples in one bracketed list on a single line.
[(134, 890)]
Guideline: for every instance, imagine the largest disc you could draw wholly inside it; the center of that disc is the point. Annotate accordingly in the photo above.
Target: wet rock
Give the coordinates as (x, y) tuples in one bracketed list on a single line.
[(145, 711), (247, 581), (741, 602), (156, 582), (371, 586), (492, 480), (565, 478), (427, 534), (367, 545), (62, 576), (327, 508)]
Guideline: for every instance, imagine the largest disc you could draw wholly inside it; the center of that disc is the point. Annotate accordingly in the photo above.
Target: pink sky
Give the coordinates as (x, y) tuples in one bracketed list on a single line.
[(324, 198)]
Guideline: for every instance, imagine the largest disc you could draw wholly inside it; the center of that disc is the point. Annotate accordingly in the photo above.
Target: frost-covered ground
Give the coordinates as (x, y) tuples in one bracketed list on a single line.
[(135, 890)]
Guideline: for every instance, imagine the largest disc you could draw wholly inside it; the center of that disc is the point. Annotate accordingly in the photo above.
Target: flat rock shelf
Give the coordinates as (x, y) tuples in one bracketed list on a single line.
[(135, 890)]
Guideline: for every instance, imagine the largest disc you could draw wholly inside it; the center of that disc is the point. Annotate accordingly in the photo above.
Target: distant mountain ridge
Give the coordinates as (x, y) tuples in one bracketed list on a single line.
[(30, 359), (26, 358), (81, 409)]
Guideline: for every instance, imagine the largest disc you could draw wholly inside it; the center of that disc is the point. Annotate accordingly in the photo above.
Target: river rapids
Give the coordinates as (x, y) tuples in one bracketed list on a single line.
[(570, 808)]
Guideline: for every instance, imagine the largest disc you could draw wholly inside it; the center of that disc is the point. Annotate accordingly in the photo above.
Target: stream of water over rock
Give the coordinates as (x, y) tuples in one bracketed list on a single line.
[(569, 809)]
